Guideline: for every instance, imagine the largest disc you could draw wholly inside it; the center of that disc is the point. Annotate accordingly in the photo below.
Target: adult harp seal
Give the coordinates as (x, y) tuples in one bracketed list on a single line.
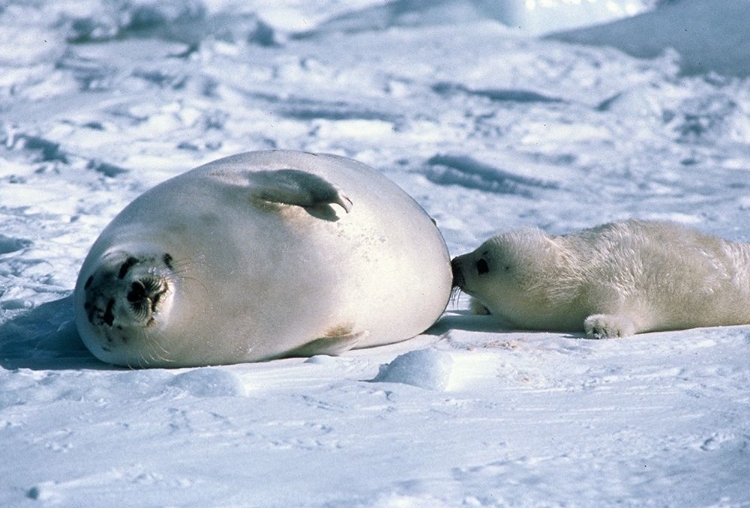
[(258, 256)]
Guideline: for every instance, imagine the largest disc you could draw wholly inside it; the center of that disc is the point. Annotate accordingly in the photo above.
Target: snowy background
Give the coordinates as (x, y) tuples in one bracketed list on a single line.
[(493, 115)]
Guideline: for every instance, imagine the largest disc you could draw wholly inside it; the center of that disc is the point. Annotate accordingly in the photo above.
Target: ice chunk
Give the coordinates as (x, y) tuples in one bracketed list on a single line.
[(425, 368), (209, 382)]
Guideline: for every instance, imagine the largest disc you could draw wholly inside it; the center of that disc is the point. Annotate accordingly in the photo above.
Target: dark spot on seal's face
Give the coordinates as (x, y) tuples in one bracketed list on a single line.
[(90, 311), (88, 282), (168, 261), (126, 266), (109, 316)]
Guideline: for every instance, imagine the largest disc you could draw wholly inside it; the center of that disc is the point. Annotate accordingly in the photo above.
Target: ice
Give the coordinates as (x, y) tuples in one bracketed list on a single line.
[(532, 16), (706, 38), (209, 382), (425, 368), (490, 127)]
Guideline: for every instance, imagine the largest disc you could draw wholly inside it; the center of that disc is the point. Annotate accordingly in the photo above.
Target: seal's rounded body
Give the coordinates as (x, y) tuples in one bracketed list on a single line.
[(613, 280), (259, 256)]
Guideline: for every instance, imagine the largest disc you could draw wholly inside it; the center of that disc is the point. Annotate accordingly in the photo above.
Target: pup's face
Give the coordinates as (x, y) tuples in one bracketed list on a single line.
[(485, 271), (503, 269)]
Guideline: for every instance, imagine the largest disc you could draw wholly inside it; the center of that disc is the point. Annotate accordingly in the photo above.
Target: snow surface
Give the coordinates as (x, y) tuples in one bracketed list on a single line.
[(489, 128)]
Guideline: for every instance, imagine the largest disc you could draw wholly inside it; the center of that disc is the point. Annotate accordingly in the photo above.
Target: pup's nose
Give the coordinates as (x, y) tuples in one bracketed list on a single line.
[(458, 277)]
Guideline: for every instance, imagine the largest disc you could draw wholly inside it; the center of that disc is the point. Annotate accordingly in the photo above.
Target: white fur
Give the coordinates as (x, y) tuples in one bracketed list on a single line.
[(610, 281)]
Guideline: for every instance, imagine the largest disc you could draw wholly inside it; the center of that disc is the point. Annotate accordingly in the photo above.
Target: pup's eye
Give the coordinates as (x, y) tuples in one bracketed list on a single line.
[(482, 267)]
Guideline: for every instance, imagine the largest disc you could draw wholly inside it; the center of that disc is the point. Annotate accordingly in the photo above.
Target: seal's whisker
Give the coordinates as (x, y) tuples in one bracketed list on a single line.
[(455, 296)]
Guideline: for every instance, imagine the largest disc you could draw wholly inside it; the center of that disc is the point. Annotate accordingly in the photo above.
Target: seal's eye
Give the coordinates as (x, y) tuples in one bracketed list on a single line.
[(482, 267)]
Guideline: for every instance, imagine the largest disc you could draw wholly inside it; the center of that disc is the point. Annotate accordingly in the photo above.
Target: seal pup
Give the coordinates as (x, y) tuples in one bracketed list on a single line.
[(613, 280), (258, 256)]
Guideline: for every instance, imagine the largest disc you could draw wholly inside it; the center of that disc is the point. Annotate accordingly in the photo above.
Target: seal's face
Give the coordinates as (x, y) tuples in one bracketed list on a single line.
[(487, 269), (125, 297), (506, 271)]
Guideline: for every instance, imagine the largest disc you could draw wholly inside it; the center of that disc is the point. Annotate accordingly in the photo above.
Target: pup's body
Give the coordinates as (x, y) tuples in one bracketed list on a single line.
[(610, 281)]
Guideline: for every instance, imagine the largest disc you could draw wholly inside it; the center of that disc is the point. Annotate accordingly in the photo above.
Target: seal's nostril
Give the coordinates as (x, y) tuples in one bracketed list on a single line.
[(137, 292)]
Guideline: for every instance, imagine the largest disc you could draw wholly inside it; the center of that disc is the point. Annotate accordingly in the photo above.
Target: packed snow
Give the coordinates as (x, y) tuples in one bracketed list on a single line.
[(492, 115)]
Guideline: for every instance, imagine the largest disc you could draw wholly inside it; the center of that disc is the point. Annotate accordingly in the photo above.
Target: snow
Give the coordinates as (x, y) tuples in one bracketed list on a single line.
[(489, 127)]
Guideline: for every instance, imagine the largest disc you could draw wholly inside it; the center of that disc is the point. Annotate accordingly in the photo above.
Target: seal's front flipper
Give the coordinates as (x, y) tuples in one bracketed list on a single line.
[(333, 345), (607, 326), (295, 187), (288, 187)]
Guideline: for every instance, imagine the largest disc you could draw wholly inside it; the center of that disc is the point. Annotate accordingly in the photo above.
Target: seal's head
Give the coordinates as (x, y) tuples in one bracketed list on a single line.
[(123, 297), (508, 271)]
